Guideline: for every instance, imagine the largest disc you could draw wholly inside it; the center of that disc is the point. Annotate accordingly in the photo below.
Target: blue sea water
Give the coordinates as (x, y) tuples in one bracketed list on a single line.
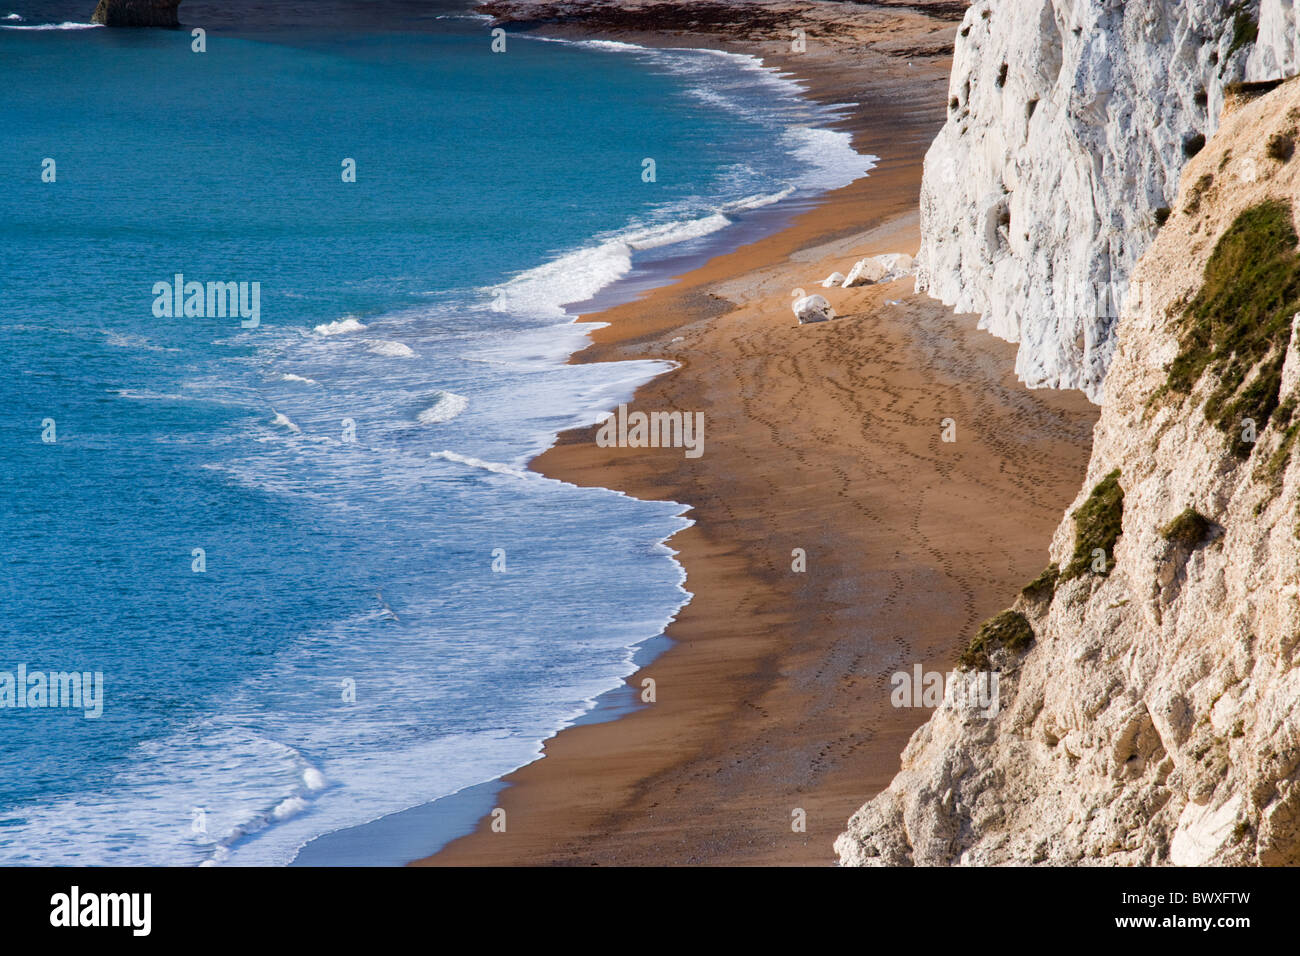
[(354, 466)]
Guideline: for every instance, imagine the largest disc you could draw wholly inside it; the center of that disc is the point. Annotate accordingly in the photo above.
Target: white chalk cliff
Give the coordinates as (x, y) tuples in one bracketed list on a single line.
[(1155, 719), (1069, 123)]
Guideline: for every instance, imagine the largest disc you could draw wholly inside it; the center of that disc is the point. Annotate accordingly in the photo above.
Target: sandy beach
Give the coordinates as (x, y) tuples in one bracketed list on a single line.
[(774, 697)]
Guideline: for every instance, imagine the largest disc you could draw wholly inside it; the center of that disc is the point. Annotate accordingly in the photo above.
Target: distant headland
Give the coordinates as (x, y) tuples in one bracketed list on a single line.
[(137, 13)]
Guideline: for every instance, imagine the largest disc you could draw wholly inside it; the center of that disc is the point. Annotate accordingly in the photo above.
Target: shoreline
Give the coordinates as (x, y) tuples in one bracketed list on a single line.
[(449, 817), (773, 697)]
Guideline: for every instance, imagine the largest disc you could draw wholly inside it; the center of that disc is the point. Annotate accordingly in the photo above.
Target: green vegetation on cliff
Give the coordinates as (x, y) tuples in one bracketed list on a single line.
[(1009, 630), (1239, 324), (1042, 589), (1245, 28), (1284, 418), (1097, 526), (1187, 530)]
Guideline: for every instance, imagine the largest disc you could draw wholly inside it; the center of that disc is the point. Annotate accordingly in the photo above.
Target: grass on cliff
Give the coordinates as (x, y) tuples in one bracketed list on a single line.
[(1198, 191), (1009, 630), (1285, 419), (1097, 526), (1251, 91), (1245, 28), (1042, 589), (1187, 530), (1281, 146), (1238, 326)]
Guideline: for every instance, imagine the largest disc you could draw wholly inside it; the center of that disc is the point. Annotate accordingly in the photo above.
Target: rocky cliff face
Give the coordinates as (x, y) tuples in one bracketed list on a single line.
[(1275, 53), (1069, 124), (137, 13), (1156, 716)]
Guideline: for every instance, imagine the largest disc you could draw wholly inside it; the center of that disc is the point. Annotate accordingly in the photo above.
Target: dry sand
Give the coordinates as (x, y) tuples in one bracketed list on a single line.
[(775, 696)]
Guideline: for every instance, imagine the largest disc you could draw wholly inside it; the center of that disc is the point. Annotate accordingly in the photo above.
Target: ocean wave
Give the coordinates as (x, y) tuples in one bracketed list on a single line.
[(313, 781), (149, 395), (830, 154), (390, 349), (290, 377), (824, 160), (447, 407), (701, 62), (346, 324), (495, 467), (579, 275), (288, 807), (618, 45), (284, 422), (667, 234), (52, 26), (146, 395), (123, 341), (759, 200)]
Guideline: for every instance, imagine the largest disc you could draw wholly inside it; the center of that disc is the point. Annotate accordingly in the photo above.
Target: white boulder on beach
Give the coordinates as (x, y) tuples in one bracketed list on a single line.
[(834, 279), (813, 308), (875, 269)]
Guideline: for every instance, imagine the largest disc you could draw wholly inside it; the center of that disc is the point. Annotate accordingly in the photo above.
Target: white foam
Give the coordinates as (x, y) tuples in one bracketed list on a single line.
[(346, 324), (291, 377), (313, 779), (390, 349), (492, 466), (289, 808), (667, 234), (447, 407), (698, 62), (830, 153), (52, 26), (617, 45), (283, 421), (759, 200), (578, 276), (570, 278), (123, 341), (149, 395)]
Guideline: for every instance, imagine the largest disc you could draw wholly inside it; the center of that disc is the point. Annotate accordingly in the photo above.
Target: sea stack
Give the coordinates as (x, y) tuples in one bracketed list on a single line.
[(137, 13)]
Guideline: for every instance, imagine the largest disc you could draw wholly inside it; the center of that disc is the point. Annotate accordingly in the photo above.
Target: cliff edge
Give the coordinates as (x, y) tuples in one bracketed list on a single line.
[(137, 13), (1154, 717), (1069, 124)]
